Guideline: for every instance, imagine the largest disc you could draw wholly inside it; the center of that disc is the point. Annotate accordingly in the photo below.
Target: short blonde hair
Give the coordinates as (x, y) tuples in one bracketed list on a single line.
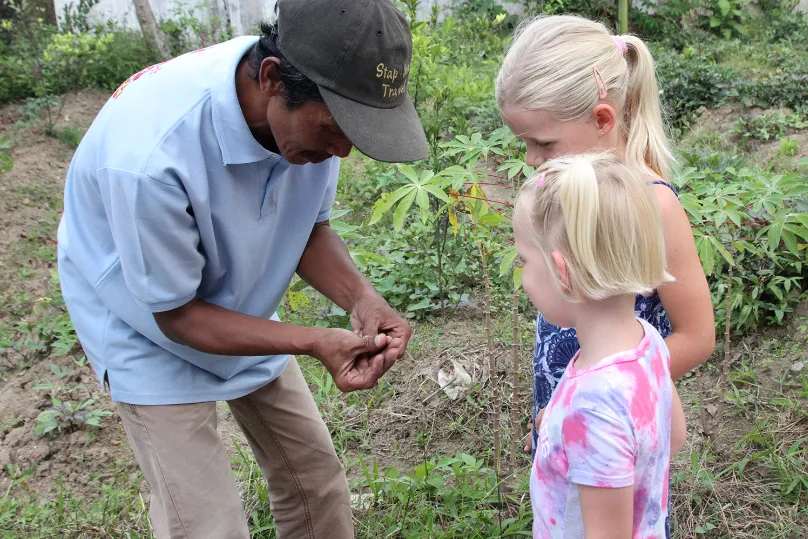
[(602, 216), (550, 67)]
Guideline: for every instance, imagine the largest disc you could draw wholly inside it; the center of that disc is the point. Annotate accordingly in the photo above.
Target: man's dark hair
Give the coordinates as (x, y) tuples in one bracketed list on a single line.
[(299, 88)]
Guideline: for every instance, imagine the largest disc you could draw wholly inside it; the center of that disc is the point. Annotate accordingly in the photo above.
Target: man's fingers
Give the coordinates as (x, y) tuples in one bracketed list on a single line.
[(537, 422), (374, 343)]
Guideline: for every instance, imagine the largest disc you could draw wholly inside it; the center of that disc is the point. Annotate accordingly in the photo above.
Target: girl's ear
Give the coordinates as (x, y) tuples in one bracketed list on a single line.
[(563, 272), (605, 117)]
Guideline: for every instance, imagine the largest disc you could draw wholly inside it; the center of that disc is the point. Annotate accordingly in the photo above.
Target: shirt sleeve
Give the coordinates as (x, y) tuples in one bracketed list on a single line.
[(156, 237), (600, 449), (331, 191)]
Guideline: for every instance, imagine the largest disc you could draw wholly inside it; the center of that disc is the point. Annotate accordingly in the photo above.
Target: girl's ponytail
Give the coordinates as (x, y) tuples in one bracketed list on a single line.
[(646, 140), (550, 67), (602, 217), (579, 199)]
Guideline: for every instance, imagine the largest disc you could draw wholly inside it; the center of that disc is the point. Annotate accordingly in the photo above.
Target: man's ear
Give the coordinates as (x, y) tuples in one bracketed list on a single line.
[(562, 271), (268, 78)]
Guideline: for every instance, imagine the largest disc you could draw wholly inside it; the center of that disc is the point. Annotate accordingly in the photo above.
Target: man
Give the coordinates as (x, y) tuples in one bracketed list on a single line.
[(202, 186)]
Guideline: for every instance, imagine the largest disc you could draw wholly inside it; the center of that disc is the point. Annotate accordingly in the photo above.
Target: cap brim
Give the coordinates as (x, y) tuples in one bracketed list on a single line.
[(392, 135)]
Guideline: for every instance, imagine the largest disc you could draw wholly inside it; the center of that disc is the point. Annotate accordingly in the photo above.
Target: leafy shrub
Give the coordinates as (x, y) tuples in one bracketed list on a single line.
[(599, 10), (186, 32), (75, 15), (68, 416), (786, 87), (16, 78), (125, 55), (771, 126), (449, 497), (752, 221), (689, 83), (725, 17), (663, 21), (67, 58), (452, 75)]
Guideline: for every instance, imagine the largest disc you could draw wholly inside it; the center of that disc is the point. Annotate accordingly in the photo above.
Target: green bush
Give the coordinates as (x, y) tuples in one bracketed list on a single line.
[(125, 55), (185, 32), (689, 83), (752, 223), (771, 126), (16, 78)]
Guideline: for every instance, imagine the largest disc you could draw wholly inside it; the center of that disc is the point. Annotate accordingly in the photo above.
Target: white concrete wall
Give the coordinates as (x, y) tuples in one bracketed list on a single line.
[(244, 15), (123, 11)]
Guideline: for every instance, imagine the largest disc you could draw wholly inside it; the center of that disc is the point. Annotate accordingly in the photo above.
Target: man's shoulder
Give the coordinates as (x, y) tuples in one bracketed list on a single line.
[(165, 107)]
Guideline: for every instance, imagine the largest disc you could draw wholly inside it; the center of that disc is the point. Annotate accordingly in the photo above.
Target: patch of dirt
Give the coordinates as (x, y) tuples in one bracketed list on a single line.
[(769, 150), (34, 185), (30, 194), (722, 119), (76, 457), (420, 421)]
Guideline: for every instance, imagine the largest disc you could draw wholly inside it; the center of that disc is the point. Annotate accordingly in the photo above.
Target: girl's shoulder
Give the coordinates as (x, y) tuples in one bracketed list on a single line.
[(660, 181), (656, 179)]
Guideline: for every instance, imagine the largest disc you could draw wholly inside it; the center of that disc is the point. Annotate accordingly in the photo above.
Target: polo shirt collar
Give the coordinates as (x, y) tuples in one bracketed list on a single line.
[(232, 132)]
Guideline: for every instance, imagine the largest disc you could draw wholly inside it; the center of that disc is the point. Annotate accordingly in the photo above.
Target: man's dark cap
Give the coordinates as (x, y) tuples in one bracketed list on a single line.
[(358, 53)]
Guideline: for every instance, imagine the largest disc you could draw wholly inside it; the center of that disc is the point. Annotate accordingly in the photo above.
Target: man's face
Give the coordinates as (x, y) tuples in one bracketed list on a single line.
[(306, 134)]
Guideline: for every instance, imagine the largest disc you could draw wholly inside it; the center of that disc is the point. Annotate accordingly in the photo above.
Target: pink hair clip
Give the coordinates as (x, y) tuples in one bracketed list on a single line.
[(621, 44), (602, 93), (540, 179)]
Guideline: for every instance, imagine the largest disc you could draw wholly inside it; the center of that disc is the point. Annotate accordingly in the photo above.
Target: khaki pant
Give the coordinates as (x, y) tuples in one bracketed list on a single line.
[(193, 493)]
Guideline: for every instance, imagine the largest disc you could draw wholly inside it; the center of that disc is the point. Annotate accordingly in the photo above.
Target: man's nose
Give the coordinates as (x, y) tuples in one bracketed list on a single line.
[(340, 148)]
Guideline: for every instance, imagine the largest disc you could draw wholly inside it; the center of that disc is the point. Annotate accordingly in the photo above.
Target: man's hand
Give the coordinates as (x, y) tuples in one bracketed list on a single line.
[(533, 425), (372, 315), (353, 361)]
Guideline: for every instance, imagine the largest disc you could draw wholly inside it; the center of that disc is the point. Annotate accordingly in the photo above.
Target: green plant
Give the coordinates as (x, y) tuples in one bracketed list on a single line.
[(443, 498), (68, 416), (600, 10), (774, 125), (70, 135), (75, 16), (727, 17), (23, 57), (70, 58), (186, 32), (688, 84), (749, 220), (6, 161), (788, 147)]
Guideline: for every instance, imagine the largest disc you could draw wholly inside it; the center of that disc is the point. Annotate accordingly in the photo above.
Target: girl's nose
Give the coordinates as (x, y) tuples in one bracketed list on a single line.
[(533, 158)]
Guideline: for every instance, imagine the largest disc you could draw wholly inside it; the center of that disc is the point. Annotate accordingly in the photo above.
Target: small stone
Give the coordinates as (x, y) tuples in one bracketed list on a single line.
[(712, 409), (798, 366)]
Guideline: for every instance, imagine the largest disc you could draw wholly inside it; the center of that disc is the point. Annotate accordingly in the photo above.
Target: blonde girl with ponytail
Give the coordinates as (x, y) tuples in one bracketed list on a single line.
[(568, 86), (589, 233)]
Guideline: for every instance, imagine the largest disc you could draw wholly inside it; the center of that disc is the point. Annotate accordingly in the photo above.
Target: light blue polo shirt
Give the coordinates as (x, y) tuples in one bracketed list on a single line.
[(169, 197)]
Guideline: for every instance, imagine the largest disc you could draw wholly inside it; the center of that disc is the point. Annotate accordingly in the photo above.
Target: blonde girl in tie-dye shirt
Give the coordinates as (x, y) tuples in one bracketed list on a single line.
[(588, 232)]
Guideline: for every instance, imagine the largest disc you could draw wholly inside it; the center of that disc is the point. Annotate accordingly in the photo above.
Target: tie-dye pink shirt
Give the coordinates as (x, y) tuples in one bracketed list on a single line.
[(606, 426)]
